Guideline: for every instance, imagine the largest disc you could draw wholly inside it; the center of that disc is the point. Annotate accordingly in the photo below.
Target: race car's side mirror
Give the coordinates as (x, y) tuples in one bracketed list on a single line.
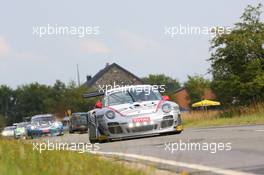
[(165, 97), (98, 104)]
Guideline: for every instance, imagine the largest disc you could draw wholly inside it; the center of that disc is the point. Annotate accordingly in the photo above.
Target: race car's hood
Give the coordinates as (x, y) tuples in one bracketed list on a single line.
[(137, 108), (42, 125)]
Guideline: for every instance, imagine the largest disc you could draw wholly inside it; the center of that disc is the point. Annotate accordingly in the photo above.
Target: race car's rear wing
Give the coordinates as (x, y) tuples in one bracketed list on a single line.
[(93, 94)]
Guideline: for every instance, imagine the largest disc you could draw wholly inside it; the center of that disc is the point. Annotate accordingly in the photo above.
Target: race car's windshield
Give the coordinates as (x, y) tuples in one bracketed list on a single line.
[(42, 119), (124, 97), (145, 95), (9, 128)]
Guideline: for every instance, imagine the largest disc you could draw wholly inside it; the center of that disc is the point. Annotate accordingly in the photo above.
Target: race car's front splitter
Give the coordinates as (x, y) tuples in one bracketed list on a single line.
[(174, 129)]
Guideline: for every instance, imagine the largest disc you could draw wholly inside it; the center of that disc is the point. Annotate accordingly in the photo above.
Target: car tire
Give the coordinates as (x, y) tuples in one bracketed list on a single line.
[(92, 141), (178, 132), (103, 141), (71, 131)]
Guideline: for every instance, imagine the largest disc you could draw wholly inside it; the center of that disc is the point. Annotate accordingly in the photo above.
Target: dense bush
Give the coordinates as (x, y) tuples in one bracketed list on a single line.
[(32, 99), (237, 61), (2, 122)]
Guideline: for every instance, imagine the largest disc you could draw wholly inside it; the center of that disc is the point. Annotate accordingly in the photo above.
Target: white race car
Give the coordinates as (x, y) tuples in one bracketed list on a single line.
[(132, 111), (8, 131)]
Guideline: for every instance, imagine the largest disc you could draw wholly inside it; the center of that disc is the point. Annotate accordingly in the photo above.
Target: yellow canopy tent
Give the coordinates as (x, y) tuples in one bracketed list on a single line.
[(206, 103)]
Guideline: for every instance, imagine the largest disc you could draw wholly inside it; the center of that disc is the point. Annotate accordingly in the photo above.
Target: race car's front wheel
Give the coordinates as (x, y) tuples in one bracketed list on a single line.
[(92, 141), (71, 131), (178, 132), (179, 129)]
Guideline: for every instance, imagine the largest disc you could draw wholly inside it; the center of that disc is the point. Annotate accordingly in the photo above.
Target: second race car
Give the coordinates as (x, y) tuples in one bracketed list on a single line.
[(44, 124)]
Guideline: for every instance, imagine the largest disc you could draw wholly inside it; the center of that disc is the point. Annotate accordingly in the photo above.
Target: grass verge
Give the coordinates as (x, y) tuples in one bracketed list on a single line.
[(222, 121), (18, 157), (240, 115)]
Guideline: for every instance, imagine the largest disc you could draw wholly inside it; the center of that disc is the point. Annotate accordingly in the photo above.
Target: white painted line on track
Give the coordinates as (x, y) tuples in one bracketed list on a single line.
[(174, 163), (260, 130), (205, 130)]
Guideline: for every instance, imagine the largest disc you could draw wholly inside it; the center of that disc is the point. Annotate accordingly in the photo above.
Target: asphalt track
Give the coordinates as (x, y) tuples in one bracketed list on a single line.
[(223, 150)]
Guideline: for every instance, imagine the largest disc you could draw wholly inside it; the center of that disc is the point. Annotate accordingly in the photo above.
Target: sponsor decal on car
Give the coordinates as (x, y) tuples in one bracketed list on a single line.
[(45, 130), (141, 119)]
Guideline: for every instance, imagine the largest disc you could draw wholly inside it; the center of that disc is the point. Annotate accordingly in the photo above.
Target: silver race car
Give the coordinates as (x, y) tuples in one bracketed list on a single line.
[(44, 124), (130, 112), (8, 131)]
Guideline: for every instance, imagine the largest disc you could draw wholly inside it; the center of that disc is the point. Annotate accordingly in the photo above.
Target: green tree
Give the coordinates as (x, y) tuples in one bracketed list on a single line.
[(55, 101), (161, 79), (170, 84), (75, 101), (196, 86), (7, 101), (2, 122), (30, 100), (237, 61)]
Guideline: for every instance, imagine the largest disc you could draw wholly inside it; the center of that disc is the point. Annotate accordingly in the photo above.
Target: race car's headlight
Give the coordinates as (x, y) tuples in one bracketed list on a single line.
[(33, 127), (110, 114), (130, 125), (176, 108), (4, 133), (166, 108), (57, 124)]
